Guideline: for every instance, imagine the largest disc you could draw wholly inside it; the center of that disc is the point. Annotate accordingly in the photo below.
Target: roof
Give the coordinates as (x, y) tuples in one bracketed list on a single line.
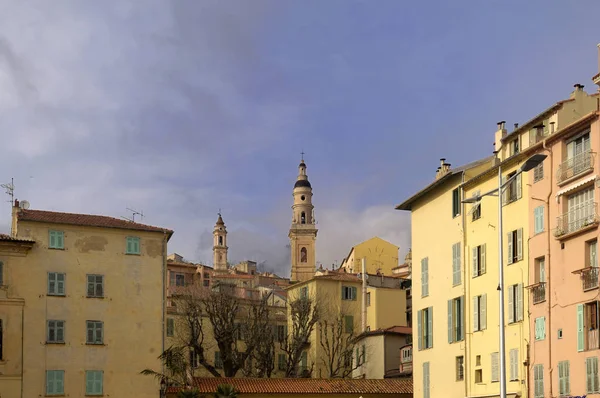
[(407, 204), (263, 386), (335, 276), (302, 184), (85, 220), (8, 238), (391, 330), (528, 124)]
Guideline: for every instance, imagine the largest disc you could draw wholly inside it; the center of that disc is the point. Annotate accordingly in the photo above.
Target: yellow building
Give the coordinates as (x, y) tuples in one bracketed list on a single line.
[(92, 290), (455, 290), (381, 256)]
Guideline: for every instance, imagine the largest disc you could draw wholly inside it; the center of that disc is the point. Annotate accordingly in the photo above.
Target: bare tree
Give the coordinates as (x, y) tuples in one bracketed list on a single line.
[(304, 314), (338, 341)]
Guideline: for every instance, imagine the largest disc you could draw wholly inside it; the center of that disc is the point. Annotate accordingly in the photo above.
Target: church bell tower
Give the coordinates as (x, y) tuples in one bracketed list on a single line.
[(303, 233), (220, 245)]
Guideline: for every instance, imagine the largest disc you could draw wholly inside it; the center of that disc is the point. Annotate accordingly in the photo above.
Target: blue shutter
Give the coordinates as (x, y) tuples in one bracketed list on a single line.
[(450, 329), (580, 340), (50, 385), (430, 327), (420, 329)]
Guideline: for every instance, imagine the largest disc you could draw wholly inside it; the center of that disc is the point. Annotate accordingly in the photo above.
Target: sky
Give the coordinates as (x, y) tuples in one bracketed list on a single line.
[(181, 108)]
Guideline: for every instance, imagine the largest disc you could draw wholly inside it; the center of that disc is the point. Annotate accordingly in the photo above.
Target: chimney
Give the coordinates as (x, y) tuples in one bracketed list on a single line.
[(501, 125), (499, 135), (579, 87), (15, 211), (516, 126)]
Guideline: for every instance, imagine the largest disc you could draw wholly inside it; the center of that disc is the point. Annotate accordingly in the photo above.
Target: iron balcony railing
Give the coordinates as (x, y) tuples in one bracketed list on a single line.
[(539, 293), (589, 278), (577, 218), (574, 166)]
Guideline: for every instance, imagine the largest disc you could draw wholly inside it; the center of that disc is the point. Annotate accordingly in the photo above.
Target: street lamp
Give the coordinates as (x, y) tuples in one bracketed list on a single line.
[(529, 164)]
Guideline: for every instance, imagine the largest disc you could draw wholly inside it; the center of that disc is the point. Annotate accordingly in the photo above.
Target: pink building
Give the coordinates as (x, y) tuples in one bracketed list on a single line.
[(563, 279)]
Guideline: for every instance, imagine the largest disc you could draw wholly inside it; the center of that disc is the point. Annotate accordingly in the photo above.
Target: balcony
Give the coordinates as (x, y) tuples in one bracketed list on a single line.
[(538, 293), (589, 278), (574, 166), (577, 219)]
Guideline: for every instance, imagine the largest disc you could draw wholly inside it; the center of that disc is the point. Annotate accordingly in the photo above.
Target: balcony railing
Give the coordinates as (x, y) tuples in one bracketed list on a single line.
[(539, 293), (574, 166), (589, 278), (577, 218)]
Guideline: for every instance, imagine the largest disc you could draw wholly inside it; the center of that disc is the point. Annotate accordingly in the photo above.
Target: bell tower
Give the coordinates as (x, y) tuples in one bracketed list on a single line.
[(303, 233), (220, 245)]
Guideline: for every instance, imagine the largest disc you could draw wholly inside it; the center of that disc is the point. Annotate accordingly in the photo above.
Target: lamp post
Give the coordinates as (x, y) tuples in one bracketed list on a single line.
[(529, 164), (163, 388)]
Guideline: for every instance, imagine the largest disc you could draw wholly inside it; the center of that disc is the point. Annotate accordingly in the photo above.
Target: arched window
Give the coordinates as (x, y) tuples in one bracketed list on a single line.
[(220, 241), (303, 218), (303, 255)]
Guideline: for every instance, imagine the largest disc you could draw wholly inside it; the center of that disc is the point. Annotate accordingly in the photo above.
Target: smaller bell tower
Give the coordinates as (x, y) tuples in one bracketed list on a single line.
[(220, 245)]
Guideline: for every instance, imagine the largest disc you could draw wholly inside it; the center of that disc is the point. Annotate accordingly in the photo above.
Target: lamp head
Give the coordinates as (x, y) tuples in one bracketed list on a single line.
[(474, 199), (533, 161)]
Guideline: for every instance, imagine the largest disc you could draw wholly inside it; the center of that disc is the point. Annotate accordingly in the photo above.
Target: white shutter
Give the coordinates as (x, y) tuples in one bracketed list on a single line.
[(420, 329), (425, 277), (474, 251), (519, 185), (509, 255), (495, 367), (426, 384), (519, 302), (504, 191), (476, 313), (482, 258), (483, 311), (520, 244), (511, 307), (450, 326), (514, 364), (430, 327)]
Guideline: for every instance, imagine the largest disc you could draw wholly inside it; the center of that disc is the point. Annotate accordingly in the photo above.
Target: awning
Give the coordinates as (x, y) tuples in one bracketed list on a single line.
[(576, 185)]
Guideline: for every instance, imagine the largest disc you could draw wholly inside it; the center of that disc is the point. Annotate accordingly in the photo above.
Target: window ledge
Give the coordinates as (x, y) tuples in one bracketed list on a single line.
[(56, 295), (55, 248), (96, 344), (96, 297), (55, 343), (55, 395), (130, 254)]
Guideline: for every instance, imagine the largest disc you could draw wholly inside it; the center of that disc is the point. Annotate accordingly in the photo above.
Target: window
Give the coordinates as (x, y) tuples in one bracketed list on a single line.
[(587, 326), (495, 366), (514, 147), (56, 284), (368, 299), (515, 246), (514, 364), (512, 191), (206, 283), (460, 368), (515, 303), (592, 253), (426, 391), (55, 382), (281, 332), (476, 208), (456, 311), (540, 328), (578, 158), (218, 361), (304, 292), (360, 355), (93, 382), (1, 341), (455, 202), (591, 370), (281, 362), (479, 312), (56, 240), (348, 292), (55, 332), (425, 277), (133, 245), (193, 358), (559, 333), (538, 172), (564, 384), (538, 381), (348, 323), (206, 275), (220, 241), (179, 279), (425, 328), (540, 270), (456, 276), (303, 255), (170, 327), (95, 286), (303, 362), (478, 376), (581, 211), (479, 260), (538, 217), (95, 332)]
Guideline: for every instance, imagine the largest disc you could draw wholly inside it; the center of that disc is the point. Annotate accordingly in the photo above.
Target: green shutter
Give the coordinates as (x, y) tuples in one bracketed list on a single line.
[(349, 323), (474, 259), (509, 248), (456, 277), (50, 385), (420, 329), (353, 292), (462, 318), (450, 329), (580, 340), (482, 258), (519, 299), (430, 327), (425, 277), (426, 386)]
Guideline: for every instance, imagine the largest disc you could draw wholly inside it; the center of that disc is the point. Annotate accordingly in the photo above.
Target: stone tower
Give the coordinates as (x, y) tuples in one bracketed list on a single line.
[(220, 245), (303, 233)]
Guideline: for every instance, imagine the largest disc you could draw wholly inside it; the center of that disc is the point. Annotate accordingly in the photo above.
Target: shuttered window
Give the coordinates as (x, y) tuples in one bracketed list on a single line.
[(349, 323), (132, 245), (538, 381), (95, 332), (425, 328), (56, 239), (93, 382), (55, 382), (540, 328), (515, 246), (425, 277), (478, 260), (514, 364), (426, 381), (591, 370), (515, 303), (55, 332), (479, 312), (580, 328), (56, 284), (564, 383), (456, 319), (495, 366), (538, 217), (456, 257)]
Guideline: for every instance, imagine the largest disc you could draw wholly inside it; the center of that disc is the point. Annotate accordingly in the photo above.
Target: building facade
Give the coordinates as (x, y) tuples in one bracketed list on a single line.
[(381, 257), (92, 291)]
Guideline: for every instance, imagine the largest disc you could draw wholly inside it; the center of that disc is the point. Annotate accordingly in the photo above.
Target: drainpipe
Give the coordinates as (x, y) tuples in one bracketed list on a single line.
[(364, 295), (467, 362), (549, 269), (22, 345)]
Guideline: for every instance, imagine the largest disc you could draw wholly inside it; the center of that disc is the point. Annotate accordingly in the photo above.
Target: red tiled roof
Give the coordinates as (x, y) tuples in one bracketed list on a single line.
[(86, 220), (8, 238), (208, 385)]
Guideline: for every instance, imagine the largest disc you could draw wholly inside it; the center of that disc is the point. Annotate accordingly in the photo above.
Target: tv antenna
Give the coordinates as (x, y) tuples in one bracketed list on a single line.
[(10, 189), (133, 214)]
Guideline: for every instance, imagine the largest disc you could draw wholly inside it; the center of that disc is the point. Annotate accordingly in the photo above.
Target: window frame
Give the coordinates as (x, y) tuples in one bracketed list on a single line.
[(133, 245), (352, 293), (56, 282), (56, 239), (55, 329), (94, 326), (54, 373), (95, 285), (460, 367), (456, 205), (94, 380)]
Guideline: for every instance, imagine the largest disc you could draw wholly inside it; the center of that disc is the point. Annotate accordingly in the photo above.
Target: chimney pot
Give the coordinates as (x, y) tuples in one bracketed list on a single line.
[(579, 87), (16, 202), (516, 126), (501, 124)]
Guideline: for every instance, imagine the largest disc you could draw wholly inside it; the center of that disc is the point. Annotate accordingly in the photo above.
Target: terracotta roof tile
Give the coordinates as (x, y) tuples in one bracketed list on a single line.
[(305, 386), (86, 220), (8, 238)]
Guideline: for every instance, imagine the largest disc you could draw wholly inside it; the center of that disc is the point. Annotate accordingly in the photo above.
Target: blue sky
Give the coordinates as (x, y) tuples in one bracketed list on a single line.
[(181, 108)]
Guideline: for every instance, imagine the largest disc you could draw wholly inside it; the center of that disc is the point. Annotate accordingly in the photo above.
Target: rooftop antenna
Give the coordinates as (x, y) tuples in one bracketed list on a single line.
[(134, 213), (10, 190)]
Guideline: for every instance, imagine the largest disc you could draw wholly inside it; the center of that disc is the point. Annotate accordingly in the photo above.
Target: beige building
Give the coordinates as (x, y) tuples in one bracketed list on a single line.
[(384, 348), (381, 257), (303, 232), (91, 295)]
